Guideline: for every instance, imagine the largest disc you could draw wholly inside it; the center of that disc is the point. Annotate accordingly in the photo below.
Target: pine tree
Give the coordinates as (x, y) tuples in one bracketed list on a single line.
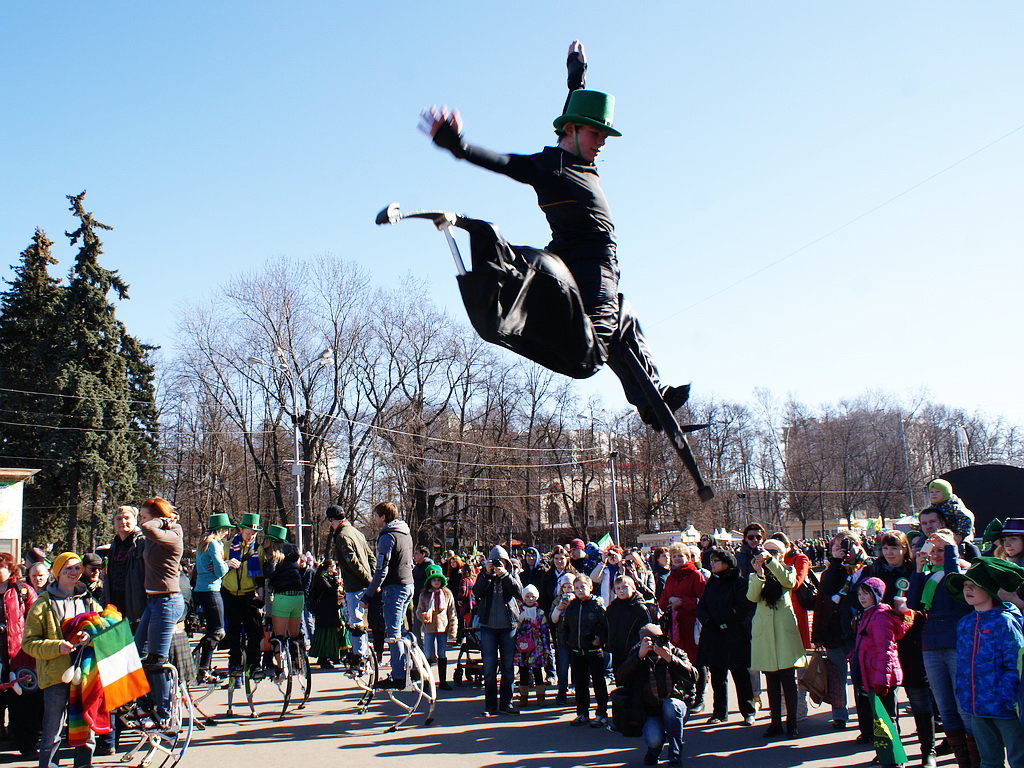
[(104, 452), (29, 312)]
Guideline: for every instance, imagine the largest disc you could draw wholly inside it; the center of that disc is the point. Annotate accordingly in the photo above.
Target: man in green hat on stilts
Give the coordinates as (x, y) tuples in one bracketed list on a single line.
[(582, 234)]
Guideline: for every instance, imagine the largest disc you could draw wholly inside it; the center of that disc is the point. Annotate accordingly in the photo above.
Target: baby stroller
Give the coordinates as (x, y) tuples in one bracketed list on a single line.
[(469, 667)]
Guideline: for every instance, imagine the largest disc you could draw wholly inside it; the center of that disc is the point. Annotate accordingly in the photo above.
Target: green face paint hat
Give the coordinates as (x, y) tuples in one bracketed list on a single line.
[(592, 108)]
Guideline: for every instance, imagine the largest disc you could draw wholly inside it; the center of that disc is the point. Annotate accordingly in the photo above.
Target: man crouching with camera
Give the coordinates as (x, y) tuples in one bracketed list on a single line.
[(660, 683)]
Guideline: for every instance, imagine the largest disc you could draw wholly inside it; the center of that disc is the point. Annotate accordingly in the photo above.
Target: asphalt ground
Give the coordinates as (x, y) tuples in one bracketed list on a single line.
[(330, 732)]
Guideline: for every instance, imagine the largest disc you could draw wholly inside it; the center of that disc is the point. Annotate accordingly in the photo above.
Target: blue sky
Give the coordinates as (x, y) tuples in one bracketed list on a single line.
[(215, 136)]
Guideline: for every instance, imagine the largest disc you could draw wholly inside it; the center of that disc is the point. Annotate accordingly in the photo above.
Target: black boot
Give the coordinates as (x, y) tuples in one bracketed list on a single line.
[(442, 675), (674, 397), (926, 738)]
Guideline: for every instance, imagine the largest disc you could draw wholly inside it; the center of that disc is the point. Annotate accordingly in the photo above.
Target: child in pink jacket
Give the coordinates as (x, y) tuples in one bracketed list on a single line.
[(875, 662)]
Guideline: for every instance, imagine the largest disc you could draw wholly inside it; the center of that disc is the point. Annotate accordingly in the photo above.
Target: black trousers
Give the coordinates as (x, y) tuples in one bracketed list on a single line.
[(782, 683), (239, 613), (720, 690), (614, 322), (588, 668)]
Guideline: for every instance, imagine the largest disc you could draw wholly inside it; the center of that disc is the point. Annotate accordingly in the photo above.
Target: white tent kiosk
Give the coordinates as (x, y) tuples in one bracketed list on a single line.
[(12, 494)]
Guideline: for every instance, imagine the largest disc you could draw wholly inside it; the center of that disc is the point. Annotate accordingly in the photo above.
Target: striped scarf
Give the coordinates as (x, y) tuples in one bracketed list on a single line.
[(87, 710), (251, 560)]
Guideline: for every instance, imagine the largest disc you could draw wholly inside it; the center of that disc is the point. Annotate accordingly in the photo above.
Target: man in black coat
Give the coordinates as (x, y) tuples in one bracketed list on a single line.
[(663, 683)]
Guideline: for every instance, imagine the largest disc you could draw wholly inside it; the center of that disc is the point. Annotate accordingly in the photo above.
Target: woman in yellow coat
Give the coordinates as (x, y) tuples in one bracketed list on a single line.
[(775, 645)]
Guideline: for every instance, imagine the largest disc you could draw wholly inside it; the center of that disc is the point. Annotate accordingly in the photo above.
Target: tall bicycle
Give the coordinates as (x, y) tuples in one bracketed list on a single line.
[(161, 745), (419, 693)]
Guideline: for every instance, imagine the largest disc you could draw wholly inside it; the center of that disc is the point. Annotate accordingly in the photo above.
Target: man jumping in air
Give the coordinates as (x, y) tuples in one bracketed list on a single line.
[(582, 234)]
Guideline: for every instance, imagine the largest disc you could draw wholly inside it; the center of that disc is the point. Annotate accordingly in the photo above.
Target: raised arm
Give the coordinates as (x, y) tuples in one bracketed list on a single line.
[(444, 126), (576, 70)]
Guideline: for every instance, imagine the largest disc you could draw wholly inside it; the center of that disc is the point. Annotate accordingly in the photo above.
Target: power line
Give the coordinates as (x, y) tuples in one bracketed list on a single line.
[(840, 228), (367, 425)]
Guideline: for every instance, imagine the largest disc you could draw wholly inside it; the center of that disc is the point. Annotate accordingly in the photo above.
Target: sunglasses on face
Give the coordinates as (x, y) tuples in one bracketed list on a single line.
[(753, 537)]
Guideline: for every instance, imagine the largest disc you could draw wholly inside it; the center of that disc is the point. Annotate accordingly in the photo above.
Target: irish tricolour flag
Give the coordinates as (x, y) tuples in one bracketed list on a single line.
[(119, 666)]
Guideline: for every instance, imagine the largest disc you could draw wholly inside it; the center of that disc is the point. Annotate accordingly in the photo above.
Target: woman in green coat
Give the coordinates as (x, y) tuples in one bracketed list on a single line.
[(775, 645)]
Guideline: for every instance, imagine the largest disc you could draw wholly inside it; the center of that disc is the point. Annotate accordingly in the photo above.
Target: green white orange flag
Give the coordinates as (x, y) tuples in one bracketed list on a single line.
[(120, 669)]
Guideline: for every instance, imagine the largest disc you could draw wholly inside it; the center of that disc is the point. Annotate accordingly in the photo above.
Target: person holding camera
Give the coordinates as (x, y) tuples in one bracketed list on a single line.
[(661, 682), (497, 590), (725, 615), (935, 562), (775, 645), (834, 610)]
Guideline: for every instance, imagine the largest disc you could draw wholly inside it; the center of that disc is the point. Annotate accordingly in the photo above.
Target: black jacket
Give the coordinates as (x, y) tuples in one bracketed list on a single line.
[(124, 580), (833, 621), (585, 621), (488, 588), (676, 679), (724, 614), (625, 619)]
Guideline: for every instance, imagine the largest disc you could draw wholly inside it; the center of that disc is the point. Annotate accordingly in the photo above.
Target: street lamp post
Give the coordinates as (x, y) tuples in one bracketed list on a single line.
[(325, 358), (615, 506)]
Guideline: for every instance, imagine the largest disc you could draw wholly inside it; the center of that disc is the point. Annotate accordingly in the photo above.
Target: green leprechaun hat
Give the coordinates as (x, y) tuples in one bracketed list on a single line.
[(276, 533), (218, 520), (589, 108), (989, 573), (250, 520), (434, 571)]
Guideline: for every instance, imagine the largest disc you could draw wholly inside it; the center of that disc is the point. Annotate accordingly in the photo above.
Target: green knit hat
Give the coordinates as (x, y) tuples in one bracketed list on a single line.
[(941, 485), (592, 108), (433, 571), (989, 573)]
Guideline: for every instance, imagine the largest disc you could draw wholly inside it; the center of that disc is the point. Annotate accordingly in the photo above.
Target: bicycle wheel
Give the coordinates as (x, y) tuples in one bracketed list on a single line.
[(283, 677), (365, 676), (419, 688), (303, 675)]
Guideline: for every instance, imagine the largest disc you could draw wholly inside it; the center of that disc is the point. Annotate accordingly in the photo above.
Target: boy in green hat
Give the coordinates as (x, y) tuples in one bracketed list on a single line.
[(989, 643), (582, 234)]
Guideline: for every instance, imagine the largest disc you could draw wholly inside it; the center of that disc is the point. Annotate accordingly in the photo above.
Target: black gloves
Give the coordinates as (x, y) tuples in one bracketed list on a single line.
[(577, 71)]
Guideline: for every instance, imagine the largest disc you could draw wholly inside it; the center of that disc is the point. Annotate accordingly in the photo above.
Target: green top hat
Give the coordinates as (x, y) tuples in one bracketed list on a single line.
[(589, 108), (250, 520), (989, 573), (276, 533), (218, 520), (433, 571)]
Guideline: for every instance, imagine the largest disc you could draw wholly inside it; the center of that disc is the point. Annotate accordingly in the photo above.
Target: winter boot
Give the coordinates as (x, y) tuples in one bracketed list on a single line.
[(926, 738), (958, 742), (442, 675), (524, 696), (542, 692)]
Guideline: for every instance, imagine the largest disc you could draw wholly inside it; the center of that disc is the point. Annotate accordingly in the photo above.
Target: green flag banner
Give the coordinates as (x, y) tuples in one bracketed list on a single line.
[(604, 542), (887, 742)]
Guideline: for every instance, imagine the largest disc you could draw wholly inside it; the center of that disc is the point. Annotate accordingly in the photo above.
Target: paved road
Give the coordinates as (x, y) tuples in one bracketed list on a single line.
[(328, 732)]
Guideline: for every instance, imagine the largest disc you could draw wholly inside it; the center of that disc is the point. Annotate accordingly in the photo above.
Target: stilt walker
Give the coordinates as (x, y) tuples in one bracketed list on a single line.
[(560, 306)]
